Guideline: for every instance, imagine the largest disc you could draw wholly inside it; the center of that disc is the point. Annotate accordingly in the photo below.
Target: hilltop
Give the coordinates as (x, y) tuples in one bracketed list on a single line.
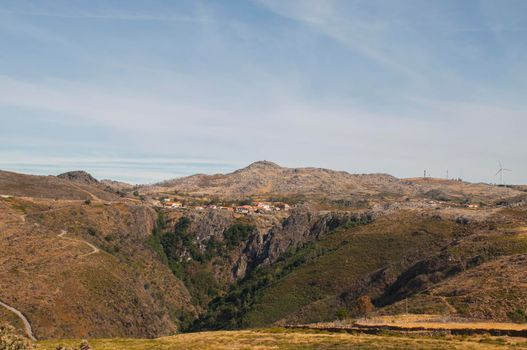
[(267, 179)]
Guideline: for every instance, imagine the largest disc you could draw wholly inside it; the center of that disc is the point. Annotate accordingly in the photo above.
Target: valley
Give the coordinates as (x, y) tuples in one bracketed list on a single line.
[(264, 246)]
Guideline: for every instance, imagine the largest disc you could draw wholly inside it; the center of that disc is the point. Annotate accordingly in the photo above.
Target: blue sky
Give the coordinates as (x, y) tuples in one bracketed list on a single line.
[(147, 90)]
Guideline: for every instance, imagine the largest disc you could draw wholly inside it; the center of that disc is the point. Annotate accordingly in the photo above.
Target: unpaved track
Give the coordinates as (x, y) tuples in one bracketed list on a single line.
[(94, 197), (27, 325), (94, 248), (448, 305)]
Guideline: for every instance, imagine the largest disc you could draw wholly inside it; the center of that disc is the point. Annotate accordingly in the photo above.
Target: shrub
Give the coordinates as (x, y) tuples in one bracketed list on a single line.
[(364, 305), (518, 316), (343, 313), (10, 340)]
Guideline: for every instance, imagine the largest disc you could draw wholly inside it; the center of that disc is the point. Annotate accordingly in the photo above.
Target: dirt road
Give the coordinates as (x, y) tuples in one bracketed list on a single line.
[(27, 325), (94, 248)]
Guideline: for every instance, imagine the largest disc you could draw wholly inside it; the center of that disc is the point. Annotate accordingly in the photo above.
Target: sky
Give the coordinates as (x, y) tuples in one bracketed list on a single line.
[(143, 91)]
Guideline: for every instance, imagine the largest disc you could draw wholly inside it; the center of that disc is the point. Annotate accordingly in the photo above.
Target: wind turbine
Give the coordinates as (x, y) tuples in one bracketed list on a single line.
[(500, 171)]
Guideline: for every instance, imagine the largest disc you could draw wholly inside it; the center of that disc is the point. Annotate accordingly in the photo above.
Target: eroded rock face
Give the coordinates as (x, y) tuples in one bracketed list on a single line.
[(302, 226)]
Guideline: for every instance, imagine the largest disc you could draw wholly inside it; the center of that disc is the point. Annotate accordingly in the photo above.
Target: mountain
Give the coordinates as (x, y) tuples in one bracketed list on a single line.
[(269, 180), (81, 258), (79, 176), (76, 185)]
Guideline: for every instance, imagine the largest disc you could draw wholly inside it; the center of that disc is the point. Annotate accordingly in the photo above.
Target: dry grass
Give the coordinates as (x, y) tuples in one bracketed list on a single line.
[(436, 322), (64, 292), (288, 339)]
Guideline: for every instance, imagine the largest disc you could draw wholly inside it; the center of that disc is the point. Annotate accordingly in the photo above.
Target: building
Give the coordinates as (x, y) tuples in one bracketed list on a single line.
[(244, 209), (173, 204)]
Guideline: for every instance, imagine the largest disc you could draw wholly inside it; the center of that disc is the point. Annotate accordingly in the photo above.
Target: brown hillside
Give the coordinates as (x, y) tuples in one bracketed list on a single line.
[(86, 270), (269, 179), (52, 187)]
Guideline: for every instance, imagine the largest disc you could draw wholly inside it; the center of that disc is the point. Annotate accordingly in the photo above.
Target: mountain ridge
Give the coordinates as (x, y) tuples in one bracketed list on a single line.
[(268, 179)]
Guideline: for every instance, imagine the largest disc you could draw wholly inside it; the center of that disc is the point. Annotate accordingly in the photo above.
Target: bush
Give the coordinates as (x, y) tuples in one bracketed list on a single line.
[(10, 340), (364, 305), (518, 316), (343, 314)]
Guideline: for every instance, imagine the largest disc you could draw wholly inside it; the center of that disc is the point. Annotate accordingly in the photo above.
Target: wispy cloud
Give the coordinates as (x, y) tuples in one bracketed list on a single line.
[(351, 32), (111, 109), (384, 86), (111, 16)]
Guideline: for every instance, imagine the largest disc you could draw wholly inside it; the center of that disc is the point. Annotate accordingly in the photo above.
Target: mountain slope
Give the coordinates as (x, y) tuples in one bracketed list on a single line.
[(114, 266), (267, 179), (65, 289), (52, 187)]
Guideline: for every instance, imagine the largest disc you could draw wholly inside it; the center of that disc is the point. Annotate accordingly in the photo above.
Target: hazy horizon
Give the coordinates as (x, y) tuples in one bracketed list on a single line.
[(170, 170), (156, 90)]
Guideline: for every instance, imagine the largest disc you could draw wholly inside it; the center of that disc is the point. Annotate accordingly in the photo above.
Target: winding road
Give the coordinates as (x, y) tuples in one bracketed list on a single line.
[(20, 315), (27, 325), (94, 248)]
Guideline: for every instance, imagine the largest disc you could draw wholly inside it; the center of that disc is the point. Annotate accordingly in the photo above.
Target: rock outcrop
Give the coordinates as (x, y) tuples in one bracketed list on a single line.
[(304, 225), (80, 176)]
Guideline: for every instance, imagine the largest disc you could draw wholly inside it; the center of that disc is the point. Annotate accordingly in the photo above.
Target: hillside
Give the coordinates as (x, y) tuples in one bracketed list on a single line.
[(85, 259), (86, 269), (52, 187), (269, 180)]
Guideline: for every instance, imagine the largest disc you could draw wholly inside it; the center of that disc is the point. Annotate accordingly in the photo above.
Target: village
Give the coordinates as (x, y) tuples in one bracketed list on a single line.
[(245, 209)]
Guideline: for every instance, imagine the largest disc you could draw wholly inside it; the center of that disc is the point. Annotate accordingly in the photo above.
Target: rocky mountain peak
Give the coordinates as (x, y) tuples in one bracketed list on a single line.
[(263, 164), (79, 176)]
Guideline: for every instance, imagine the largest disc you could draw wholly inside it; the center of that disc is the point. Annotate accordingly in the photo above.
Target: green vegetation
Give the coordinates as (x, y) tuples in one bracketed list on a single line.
[(492, 246), (518, 316), (237, 233), (312, 277), (227, 312), (192, 263), (154, 240)]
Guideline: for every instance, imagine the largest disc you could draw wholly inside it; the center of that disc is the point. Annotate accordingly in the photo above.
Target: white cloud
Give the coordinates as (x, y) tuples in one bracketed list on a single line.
[(350, 31)]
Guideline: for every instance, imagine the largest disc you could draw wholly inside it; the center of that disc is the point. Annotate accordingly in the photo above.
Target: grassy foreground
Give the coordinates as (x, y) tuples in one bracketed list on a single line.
[(278, 338)]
